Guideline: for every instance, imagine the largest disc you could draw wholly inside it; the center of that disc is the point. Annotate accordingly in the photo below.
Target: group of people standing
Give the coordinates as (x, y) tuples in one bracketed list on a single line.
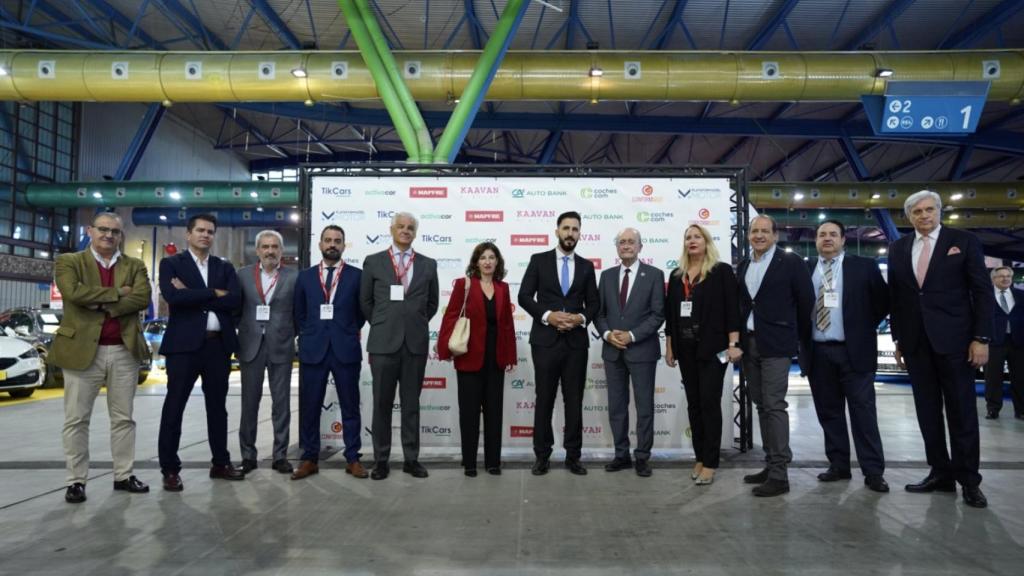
[(773, 308)]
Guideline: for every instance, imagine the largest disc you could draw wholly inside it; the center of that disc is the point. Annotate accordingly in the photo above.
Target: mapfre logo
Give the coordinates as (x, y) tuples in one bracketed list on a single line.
[(596, 262), (521, 431), (428, 192), (529, 240), (485, 216), (437, 383)]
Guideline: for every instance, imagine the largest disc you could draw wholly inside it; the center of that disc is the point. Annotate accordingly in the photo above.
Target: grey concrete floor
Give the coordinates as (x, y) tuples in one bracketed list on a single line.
[(510, 524)]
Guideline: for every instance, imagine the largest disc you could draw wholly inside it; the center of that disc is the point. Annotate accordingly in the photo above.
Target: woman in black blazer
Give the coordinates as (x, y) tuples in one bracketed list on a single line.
[(702, 331)]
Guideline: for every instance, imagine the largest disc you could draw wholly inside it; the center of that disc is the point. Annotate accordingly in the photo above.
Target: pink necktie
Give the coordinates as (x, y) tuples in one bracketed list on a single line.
[(405, 275), (922, 260)]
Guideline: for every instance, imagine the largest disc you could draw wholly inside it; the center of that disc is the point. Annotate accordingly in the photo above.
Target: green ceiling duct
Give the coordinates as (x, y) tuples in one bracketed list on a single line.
[(1002, 219), (164, 194), (809, 195)]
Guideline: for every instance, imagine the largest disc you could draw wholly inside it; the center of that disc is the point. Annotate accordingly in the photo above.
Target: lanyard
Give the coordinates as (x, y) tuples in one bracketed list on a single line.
[(328, 291), (408, 265), (258, 274), (687, 287)]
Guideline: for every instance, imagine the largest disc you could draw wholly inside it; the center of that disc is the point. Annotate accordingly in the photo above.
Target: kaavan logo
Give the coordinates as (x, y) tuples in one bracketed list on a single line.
[(485, 216), (336, 192), (700, 193), (521, 431), (428, 192), (535, 214), (526, 405), (596, 262), (529, 240), (479, 190), (435, 382), (343, 215), (590, 237), (592, 430), (436, 239)]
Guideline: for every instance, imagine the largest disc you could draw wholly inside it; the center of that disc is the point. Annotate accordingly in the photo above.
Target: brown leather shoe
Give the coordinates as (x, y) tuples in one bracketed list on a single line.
[(226, 472), (356, 469), (172, 482), (306, 468)]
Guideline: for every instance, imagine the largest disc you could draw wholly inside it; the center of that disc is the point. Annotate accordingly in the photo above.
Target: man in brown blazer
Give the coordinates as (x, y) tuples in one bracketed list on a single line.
[(99, 343)]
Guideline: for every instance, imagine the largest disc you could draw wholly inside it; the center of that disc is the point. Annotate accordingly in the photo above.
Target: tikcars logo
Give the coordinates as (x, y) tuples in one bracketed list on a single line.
[(529, 240), (428, 192), (385, 214), (435, 430), (336, 192), (485, 216), (436, 239), (435, 382), (521, 431)]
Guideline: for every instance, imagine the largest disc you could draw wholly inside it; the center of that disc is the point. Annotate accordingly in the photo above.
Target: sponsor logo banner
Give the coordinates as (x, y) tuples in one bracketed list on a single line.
[(435, 382), (529, 239), (428, 192), (485, 216), (521, 431)]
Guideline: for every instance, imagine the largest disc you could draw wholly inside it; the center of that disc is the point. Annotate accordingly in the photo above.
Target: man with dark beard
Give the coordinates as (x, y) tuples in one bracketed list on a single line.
[(559, 290), (328, 318)]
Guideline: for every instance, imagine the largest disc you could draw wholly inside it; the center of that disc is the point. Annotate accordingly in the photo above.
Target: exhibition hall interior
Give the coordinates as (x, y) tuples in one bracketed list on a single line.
[(511, 287)]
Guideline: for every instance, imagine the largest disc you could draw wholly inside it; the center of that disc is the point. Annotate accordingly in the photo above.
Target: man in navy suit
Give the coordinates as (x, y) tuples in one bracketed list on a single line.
[(776, 298), (203, 293), (851, 298), (559, 290), (942, 323), (328, 317), (1007, 345)]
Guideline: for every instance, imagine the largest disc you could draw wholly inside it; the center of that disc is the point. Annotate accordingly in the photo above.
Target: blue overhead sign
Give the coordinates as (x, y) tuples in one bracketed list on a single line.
[(927, 107)]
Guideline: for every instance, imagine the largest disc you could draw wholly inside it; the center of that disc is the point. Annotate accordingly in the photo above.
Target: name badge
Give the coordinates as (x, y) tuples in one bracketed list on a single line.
[(397, 293), (263, 312), (831, 299), (685, 309), (327, 311)]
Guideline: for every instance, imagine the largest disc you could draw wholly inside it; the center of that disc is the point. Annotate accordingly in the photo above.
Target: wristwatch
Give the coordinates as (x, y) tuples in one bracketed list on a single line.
[(982, 339), (734, 344)]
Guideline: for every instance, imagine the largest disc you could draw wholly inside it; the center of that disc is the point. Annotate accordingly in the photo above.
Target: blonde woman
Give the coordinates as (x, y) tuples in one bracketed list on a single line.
[(702, 333)]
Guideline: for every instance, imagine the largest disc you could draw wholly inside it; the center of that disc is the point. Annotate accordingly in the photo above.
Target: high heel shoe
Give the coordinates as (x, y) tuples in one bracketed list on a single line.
[(696, 471), (705, 479)]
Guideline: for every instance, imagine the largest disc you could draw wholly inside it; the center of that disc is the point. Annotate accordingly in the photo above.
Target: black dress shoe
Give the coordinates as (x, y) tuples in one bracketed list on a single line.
[(992, 415), (494, 471), (618, 464), (132, 484), (471, 472), (540, 466), (380, 471), (283, 466), (415, 469), (876, 482), (972, 497), (833, 475), (249, 466), (932, 483), (759, 478), (771, 487), (575, 466), (643, 469), (173, 483), (75, 493), (226, 472)]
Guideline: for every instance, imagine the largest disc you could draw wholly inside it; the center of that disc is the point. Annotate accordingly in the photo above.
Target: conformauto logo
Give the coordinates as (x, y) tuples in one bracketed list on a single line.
[(485, 216), (428, 192), (529, 240), (521, 431), (435, 382)]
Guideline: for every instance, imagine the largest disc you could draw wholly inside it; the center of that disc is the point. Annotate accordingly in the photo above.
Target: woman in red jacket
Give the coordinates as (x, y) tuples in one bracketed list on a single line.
[(492, 351)]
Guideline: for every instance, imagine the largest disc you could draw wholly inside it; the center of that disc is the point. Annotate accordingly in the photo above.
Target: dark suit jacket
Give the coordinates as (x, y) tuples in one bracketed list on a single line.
[(1015, 318), (342, 332), (643, 315), (954, 305), (392, 323), (716, 310), (541, 291), (865, 304), (473, 359), (783, 306), (186, 323)]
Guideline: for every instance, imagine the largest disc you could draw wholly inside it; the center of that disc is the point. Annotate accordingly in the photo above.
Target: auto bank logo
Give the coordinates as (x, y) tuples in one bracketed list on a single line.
[(537, 193), (343, 215), (485, 216), (436, 239), (489, 190), (336, 192), (428, 192), (602, 216), (699, 193), (652, 217), (647, 195), (529, 240), (589, 193), (671, 264), (435, 382)]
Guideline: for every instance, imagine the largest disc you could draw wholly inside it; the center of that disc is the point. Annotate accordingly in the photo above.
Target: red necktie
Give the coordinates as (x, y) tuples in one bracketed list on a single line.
[(624, 290)]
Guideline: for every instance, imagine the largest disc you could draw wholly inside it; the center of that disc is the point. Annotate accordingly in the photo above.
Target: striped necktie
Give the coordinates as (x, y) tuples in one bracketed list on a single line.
[(822, 314)]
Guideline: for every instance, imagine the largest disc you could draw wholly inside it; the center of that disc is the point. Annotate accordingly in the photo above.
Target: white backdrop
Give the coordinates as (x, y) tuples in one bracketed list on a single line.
[(519, 215)]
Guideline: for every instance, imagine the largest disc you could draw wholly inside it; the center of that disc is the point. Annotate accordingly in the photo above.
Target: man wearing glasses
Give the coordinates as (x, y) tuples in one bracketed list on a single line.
[(99, 343)]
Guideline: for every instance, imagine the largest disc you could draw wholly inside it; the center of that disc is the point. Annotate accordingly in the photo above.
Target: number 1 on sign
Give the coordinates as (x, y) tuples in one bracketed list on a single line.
[(966, 111)]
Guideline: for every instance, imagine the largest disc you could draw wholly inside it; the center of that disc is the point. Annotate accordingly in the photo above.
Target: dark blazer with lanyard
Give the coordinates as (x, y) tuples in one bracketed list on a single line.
[(341, 332), (716, 311)]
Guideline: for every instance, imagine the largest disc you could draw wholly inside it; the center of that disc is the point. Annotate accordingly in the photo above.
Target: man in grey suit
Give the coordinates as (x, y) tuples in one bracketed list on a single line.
[(632, 310), (266, 342), (398, 293)]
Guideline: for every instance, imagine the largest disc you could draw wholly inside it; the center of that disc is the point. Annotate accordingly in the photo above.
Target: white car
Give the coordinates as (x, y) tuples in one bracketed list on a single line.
[(20, 370)]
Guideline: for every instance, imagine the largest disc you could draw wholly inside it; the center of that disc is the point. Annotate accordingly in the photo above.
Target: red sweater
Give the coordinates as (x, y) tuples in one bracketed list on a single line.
[(110, 335)]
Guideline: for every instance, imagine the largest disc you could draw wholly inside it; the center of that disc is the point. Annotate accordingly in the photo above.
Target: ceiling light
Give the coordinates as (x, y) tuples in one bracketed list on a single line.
[(882, 250), (294, 216), (97, 195), (883, 73), (821, 216), (956, 197), (299, 72), (798, 196), (163, 218), (549, 5), (3, 70), (253, 195), (876, 196), (789, 249), (175, 195), (596, 72), (42, 253), (954, 216)]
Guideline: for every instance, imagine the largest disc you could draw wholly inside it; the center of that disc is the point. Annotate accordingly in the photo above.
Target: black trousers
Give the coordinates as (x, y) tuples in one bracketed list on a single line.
[(946, 380), (703, 381), (834, 385), (212, 363), (998, 355), (481, 391), (554, 365)]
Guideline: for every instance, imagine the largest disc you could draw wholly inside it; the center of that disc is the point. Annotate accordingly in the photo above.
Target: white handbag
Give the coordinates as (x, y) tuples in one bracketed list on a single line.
[(458, 342)]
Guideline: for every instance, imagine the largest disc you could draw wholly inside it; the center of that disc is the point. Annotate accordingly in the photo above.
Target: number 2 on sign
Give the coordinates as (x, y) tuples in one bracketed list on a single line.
[(966, 111)]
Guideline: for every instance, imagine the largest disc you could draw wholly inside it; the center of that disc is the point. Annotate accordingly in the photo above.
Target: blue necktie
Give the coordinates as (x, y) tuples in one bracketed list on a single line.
[(565, 275)]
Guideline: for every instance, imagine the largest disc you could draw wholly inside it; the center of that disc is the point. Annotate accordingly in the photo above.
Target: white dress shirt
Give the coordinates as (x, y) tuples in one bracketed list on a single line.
[(397, 253), (1010, 302), (915, 251), (103, 261), (212, 324), (267, 282), (559, 255)]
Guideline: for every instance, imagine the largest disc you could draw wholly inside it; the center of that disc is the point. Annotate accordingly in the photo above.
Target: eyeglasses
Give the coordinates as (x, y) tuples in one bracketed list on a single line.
[(103, 230), (627, 242)]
